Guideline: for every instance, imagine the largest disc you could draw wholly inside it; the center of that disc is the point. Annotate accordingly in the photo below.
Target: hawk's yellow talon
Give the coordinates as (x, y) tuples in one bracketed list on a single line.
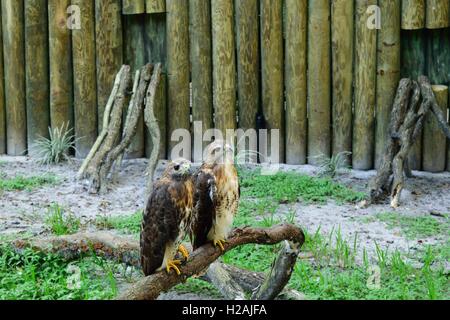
[(220, 243), (173, 265), (184, 252)]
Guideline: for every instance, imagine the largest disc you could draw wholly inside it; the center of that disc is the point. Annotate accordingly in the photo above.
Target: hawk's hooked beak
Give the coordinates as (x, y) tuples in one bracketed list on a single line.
[(185, 168)]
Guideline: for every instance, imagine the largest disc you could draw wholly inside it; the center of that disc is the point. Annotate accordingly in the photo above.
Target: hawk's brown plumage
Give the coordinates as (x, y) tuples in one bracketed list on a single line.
[(167, 218), (216, 196)]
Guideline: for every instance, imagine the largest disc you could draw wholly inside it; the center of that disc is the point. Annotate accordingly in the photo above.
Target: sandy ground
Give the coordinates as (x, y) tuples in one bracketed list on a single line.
[(25, 211)]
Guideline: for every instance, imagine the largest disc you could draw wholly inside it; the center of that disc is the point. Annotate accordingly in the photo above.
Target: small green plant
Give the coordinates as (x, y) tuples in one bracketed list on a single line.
[(129, 224), (57, 147), (20, 183), (330, 167), (61, 222)]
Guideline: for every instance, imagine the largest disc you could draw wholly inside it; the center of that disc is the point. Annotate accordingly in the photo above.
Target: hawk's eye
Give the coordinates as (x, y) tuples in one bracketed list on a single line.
[(177, 167)]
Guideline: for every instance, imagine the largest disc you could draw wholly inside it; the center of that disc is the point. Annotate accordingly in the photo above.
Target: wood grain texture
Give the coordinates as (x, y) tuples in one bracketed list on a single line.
[(178, 67), (438, 14), (155, 6), (60, 52), (36, 71), (413, 14), (85, 82), (319, 80), (248, 61), (109, 49), (14, 64), (134, 35), (155, 48), (224, 65), (365, 84), (2, 95), (448, 140), (273, 70), (133, 6), (388, 72), (201, 66), (342, 28), (412, 66), (296, 21), (438, 56), (434, 140)]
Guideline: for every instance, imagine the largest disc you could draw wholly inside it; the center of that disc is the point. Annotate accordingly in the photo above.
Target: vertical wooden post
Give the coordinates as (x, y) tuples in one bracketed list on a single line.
[(448, 140), (155, 49), (224, 65), (319, 80), (388, 72), (413, 66), (14, 64), (135, 57), (178, 67), (438, 56), (2, 94), (133, 6), (248, 61), (342, 28), (85, 82), (434, 146), (413, 14), (36, 71), (296, 21), (60, 52), (201, 65), (365, 84), (272, 69), (155, 6), (438, 14), (109, 49)]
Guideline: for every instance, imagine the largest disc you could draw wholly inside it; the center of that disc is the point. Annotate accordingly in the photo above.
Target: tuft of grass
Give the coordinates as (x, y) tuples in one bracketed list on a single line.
[(56, 148), (290, 187), (20, 183), (416, 227), (29, 275), (61, 222), (128, 224), (331, 167)]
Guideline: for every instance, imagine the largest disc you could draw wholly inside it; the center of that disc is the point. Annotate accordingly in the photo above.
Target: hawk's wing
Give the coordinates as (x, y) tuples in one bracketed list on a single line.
[(160, 226), (205, 203)]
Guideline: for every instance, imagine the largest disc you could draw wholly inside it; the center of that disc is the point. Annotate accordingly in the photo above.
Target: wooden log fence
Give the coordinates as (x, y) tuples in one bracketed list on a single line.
[(313, 69)]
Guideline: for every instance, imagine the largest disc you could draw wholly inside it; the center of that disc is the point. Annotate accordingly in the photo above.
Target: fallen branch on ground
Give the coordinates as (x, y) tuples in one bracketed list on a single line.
[(72, 247)]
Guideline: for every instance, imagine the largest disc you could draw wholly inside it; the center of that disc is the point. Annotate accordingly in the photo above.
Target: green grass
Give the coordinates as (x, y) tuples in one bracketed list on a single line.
[(61, 222), (20, 183), (33, 276), (128, 224), (285, 187), (334, 273), (414, 227)]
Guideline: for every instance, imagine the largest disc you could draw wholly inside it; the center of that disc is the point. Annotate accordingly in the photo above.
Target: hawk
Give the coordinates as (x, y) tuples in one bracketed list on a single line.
[(216, 196), (167, 219)]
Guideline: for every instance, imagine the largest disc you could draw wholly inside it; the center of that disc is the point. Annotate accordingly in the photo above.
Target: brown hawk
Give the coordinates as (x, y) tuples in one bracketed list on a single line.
[(167, 219), (216, 196)]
